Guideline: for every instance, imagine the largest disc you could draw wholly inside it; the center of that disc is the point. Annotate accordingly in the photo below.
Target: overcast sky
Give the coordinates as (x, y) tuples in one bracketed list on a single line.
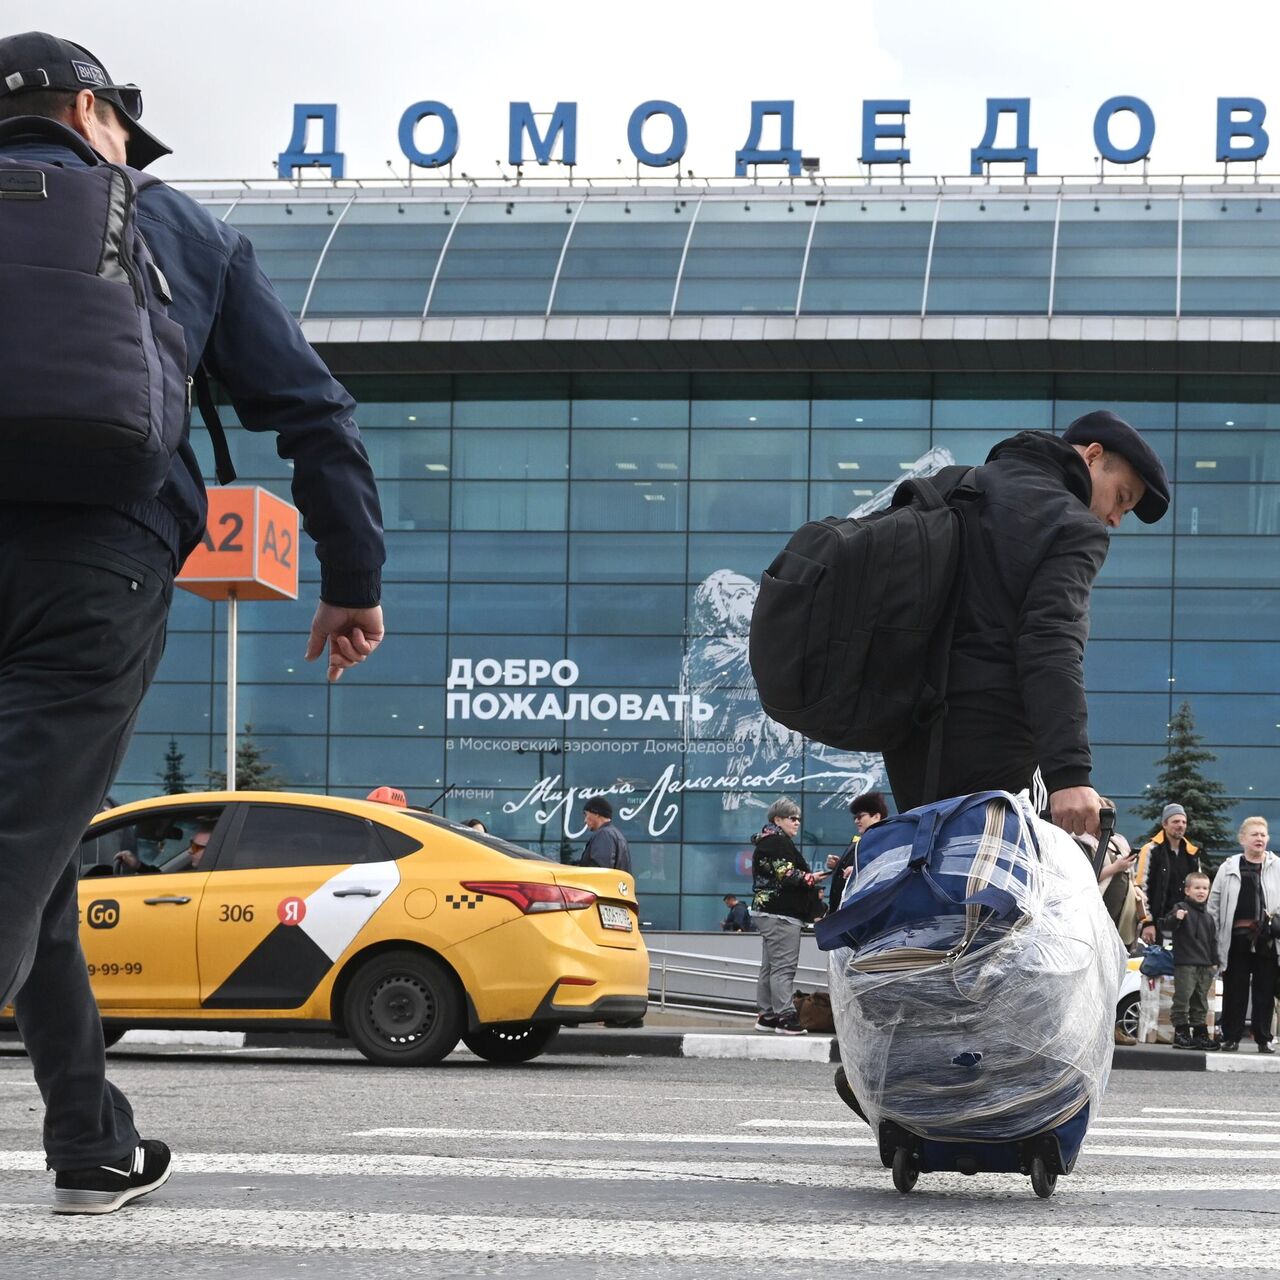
[(220, 78)]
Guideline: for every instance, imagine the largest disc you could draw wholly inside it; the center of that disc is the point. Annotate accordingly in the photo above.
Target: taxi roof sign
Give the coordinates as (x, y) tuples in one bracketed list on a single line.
[(249, 548), (389, 795)]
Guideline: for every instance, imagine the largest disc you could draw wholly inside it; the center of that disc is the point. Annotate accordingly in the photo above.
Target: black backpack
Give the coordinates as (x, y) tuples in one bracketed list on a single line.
[(852, 628), (96, 397)]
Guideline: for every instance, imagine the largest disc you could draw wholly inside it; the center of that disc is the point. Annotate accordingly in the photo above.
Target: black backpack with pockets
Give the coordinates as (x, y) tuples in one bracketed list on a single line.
[(96, 395), (852, 628)]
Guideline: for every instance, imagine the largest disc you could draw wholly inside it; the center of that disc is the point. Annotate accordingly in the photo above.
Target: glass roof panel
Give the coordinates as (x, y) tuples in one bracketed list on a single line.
[(868, 257), (623, 257), (992, 257), (502, 258), (381, 259), (745, 257), (1117, 257)]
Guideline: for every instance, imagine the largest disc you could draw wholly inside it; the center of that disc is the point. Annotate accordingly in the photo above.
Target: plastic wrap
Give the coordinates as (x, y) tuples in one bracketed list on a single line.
[(982, 1024)]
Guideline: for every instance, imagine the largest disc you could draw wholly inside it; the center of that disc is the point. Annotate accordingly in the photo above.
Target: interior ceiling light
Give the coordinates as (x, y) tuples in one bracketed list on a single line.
[(848, 466), (436, 466), (668, 466), (655, 497), (1206, 464), (626, 466)]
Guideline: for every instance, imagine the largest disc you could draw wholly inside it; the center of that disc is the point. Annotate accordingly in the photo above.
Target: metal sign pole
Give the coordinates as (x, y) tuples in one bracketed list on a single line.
[(232, 629)]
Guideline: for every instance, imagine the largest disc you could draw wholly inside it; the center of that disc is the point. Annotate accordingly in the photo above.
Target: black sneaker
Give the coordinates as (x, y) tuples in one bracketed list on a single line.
[(766, 1022), (789, 1025), (105, 1188), (1230, 1046), (1264, 1047)]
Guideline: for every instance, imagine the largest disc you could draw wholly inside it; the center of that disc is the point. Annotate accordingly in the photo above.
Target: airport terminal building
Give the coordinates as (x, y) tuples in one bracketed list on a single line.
[(597, 413)]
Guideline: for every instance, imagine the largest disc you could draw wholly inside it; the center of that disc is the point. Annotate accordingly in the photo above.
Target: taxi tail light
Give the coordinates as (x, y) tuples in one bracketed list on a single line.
[(533, 899)]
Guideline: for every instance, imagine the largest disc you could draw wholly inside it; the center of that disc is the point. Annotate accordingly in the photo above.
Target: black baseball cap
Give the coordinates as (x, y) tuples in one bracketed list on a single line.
[(599, 806), (1115, 435), (37, 60)]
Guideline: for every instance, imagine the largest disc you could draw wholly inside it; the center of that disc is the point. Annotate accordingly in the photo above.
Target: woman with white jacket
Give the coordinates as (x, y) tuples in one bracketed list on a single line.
[(1246, 890)]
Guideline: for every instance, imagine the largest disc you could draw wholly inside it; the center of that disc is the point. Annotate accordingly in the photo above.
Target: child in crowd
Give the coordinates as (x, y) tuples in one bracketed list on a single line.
[(1195, 962)]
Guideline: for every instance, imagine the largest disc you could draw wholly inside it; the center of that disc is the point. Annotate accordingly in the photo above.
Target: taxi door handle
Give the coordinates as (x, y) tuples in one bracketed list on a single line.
[(159, 902), (357, 893)]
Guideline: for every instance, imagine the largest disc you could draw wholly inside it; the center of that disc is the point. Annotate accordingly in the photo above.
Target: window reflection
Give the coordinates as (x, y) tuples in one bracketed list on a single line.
[(583, 516)]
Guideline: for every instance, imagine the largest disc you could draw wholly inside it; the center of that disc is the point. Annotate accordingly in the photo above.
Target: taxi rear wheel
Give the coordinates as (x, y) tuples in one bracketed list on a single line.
[(511, 1041), (403, 1010)]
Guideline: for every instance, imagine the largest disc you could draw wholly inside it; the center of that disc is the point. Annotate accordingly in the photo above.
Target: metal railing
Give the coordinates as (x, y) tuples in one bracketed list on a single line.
[(665, 964)]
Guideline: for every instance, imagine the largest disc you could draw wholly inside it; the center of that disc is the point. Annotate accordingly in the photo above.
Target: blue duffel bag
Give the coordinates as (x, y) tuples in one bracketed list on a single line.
[(974, 973)]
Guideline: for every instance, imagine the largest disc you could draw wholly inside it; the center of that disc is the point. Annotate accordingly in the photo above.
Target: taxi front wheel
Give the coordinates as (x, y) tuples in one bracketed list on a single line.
[(403, 1009), (511, 1041)]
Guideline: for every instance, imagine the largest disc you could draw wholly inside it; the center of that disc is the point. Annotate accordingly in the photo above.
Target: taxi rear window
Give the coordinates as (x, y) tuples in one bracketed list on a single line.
[(489, 841)]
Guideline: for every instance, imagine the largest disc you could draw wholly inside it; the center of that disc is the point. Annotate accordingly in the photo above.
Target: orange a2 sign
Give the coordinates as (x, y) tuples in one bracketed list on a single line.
[(249, 548)]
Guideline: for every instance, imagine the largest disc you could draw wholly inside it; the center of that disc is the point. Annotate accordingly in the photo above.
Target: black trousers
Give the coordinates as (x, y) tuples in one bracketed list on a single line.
[(1248, 973), (985, 747), (84, 598)]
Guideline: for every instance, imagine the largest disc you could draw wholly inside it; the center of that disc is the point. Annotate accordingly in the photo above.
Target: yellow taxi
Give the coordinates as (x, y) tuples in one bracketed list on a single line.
[(406, 932)]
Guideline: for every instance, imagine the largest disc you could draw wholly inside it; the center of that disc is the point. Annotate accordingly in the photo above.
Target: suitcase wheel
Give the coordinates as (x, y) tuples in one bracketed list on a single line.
[(1043, 1182), (904, 1172)]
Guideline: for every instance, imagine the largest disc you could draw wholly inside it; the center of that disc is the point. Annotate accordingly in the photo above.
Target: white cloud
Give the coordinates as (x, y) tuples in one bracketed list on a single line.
[(221, 75)]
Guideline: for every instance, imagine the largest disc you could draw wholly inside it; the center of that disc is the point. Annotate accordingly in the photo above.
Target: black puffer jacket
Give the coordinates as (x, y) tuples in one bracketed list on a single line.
[(1195, 937), (778, 870), (1033, 550)]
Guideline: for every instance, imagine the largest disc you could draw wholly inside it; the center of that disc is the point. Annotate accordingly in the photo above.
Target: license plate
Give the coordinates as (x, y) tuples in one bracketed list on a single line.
[(615, 917)]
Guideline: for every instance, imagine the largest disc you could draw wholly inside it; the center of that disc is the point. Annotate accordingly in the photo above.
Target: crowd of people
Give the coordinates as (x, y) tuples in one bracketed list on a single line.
[(1189, 926)]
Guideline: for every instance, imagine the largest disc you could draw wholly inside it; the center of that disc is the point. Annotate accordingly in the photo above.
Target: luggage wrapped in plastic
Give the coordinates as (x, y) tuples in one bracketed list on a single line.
[(974, 973)]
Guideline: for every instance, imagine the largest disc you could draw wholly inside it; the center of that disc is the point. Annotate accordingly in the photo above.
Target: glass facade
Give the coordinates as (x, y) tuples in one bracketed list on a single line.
[(809, 251), (606, 531)]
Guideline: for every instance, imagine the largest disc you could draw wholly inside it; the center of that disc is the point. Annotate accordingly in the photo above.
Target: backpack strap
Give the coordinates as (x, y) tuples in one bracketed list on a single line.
[(950, 486), (223, 466)]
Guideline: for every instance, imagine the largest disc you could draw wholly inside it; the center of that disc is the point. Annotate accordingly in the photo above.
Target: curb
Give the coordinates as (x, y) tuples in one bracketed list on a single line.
[(645, 1042)]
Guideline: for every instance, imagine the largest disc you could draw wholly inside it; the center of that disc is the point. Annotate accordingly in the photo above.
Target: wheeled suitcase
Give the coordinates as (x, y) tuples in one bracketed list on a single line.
[(974, 973)]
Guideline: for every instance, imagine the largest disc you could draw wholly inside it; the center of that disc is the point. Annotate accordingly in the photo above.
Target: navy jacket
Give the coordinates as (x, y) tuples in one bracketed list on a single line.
[(236, 324), (607, 847)]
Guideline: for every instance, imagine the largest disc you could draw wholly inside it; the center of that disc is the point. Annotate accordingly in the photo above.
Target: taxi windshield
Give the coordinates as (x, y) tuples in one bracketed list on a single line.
[(480, 837)]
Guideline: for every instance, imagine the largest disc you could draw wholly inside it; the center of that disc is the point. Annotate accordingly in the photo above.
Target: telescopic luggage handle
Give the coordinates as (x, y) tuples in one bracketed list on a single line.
[(1106, 829)]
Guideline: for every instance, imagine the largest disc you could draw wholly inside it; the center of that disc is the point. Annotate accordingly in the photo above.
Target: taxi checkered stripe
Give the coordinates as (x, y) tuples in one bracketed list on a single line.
[(458, 901)]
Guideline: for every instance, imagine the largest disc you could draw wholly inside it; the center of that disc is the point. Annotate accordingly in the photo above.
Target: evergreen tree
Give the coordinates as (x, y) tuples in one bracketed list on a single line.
[(1183, 782), (253, 771), (173, 777)]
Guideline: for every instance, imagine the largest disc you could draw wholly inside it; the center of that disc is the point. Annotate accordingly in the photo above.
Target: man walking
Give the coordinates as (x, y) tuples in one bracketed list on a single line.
[(1164, 863), (1035, 539), (606, 845), (85, 588), (738, 918)]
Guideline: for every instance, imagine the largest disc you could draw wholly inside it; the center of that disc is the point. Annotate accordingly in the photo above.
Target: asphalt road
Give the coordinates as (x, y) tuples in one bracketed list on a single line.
[(321, 1165)]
